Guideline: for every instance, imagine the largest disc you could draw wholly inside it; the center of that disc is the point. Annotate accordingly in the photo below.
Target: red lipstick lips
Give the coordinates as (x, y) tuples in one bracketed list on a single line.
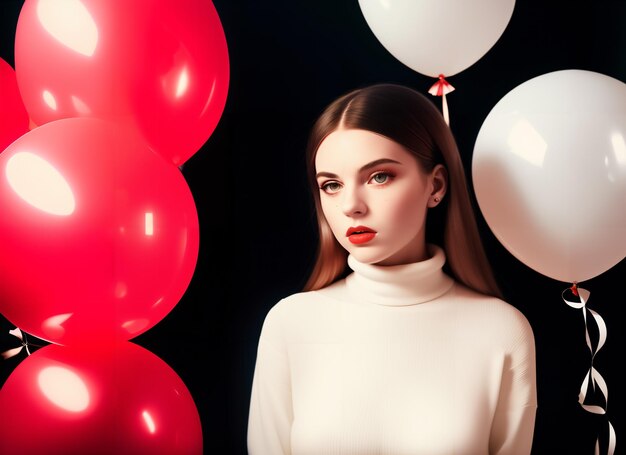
[(360, 234)]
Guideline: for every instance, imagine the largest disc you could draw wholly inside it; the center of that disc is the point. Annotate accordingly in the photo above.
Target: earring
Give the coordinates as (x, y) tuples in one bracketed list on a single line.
[(437, 199)]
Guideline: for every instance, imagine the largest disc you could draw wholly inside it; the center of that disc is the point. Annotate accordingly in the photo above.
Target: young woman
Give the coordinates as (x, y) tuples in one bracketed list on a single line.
[(400, 343)]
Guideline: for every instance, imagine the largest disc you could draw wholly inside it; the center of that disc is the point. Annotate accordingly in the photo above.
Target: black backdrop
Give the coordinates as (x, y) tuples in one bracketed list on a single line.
[(289, 59)]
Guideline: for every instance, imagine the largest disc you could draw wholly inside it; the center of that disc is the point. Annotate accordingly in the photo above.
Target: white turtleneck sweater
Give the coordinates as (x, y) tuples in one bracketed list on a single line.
[(393, 360)]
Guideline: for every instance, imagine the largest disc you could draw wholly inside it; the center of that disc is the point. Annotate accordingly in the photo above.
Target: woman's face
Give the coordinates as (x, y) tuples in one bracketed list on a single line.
[(375, 196)]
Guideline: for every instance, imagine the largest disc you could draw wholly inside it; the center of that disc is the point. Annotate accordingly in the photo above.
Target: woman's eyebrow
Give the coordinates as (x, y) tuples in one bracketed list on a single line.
[(363, 168), (326, 174), (375, 163)]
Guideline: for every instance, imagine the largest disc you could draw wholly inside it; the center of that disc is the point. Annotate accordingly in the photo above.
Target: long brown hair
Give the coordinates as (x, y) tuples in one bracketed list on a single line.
[(410, 119)]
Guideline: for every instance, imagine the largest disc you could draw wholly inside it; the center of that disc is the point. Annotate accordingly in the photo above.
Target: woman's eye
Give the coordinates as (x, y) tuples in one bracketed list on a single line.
[(380, 178), (330, 187)]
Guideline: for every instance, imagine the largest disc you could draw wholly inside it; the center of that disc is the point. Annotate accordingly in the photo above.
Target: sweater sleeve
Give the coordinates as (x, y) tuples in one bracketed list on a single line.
[(271, 415), (514, 422)]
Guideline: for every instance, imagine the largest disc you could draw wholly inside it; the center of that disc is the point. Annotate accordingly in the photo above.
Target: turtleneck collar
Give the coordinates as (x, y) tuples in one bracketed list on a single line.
[(400, 285)]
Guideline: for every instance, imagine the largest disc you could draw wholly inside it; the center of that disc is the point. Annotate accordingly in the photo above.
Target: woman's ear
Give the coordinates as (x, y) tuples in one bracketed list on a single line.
[(439, 181)]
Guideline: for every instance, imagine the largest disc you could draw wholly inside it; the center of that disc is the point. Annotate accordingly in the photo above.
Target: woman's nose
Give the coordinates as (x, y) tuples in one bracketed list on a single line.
[(352, 203)]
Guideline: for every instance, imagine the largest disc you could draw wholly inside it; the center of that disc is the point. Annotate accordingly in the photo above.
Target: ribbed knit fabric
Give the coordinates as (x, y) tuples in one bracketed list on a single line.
[(393, 360)]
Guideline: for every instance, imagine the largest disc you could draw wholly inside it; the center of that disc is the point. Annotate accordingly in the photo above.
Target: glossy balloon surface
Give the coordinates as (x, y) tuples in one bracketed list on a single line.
[(99, 234), (161, 66), (436, 37), (13, 116), (549, 171), (113, 399)]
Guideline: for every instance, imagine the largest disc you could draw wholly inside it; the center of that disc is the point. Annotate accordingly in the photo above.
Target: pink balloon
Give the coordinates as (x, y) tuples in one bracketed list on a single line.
[(114, 399), (160, 65), (99, 234), (13, 116)]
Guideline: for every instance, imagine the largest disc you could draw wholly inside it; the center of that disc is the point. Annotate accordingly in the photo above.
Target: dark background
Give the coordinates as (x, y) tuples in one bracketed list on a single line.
[(288, 60)]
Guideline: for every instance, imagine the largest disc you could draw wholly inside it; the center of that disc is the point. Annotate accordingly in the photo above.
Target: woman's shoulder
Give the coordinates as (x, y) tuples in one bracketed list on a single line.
[(292, 303), (302, 316), (493, 323), (305, 306), (493, 311)]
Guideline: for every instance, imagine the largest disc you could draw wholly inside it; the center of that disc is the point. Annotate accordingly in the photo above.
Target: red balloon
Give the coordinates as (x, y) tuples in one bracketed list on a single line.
[(160, 65), (13, 116), (99, 234), (116, 399)]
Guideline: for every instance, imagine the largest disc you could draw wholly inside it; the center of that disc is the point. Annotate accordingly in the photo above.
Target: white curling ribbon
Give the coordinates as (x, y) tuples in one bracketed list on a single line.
[(601, 331), (612, 439), (584, 296), (612, 442), (596, 378), (11, 352), (444, 107), (593, 375)]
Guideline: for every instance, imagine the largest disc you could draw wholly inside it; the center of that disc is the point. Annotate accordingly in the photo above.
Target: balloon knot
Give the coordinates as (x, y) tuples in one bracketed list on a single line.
[(574, 289), (441, 87)]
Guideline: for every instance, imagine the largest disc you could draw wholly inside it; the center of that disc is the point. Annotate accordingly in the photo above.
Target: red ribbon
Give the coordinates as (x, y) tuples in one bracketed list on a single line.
[(441, 87), (574, 289)]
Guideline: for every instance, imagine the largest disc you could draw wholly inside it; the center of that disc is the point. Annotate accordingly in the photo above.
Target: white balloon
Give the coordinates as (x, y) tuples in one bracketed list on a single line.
[(436, 37), (549, 173)]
